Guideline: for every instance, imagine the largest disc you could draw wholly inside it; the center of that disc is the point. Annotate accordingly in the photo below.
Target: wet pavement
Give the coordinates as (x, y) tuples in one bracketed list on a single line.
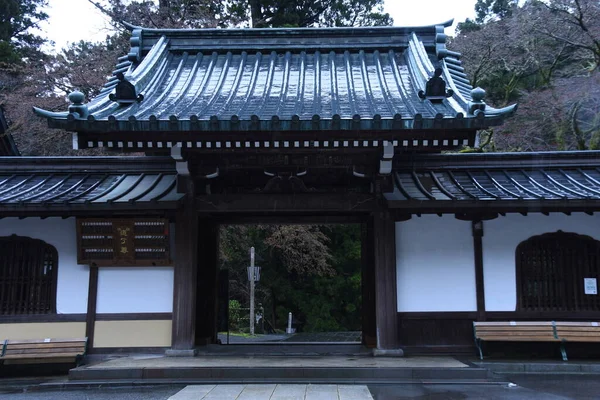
[(273, 392), (534, 387), (159, 361), (529, 386)]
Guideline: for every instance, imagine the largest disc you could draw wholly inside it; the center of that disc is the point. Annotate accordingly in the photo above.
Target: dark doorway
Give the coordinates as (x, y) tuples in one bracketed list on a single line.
[(317, 272)]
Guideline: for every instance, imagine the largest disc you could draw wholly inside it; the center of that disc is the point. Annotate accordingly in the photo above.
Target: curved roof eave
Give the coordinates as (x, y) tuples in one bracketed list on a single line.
[(281, 31)]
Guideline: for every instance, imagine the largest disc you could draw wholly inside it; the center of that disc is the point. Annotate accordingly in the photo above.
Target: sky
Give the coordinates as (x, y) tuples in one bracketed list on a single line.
[(74, 20)]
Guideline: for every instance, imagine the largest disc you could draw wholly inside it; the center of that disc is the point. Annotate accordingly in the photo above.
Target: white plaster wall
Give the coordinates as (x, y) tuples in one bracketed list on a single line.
[(501, 238), (435, 267), (72, 285), (135, 289)]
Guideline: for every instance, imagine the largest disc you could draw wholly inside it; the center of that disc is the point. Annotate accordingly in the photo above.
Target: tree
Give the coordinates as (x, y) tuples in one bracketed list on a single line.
[(17, 18), (536, 57), (312, 271), (578, 27), (493, 9), (249, 13)]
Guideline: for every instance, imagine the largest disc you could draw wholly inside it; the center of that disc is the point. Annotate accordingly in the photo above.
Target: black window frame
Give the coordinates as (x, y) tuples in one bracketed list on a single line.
[(28, 276), (550, 272)]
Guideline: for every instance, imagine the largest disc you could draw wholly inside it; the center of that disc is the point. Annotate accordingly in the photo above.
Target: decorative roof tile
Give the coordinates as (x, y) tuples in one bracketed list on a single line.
[(492, 181), (283, 79), (87, 182)]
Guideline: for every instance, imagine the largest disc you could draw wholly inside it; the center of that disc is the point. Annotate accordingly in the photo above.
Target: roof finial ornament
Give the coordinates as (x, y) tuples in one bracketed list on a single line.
[(77, 108), (125, 92), (435, 89), (477, 105)]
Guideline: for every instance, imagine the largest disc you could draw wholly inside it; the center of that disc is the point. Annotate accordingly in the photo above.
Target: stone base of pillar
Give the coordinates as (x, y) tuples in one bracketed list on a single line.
[(180, 353), (388, 353)]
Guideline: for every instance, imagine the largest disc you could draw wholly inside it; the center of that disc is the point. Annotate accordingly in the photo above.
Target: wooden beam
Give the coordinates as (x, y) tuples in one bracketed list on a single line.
[(90, 319), (186, 266), (477, 229), (282, 203), (290, 219), (386, 299)]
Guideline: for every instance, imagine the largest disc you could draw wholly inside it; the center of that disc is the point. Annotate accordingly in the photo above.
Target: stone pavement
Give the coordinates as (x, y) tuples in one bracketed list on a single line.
[(273, 392), (159, 361)]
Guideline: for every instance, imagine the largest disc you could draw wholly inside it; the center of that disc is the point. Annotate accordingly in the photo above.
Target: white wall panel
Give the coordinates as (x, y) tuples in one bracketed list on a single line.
[(501, 238), (435, 267), (73, 278), (135, 289)]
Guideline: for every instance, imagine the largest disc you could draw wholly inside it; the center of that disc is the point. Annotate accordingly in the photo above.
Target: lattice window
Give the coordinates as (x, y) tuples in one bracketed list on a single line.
[(551, 269), (28, 272)]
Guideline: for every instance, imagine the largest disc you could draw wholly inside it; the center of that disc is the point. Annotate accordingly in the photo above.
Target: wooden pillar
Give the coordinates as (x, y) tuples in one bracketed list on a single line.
[(477, 228), (90, 319), (386, 300), (207, 282), (369, 322), (186, 266)]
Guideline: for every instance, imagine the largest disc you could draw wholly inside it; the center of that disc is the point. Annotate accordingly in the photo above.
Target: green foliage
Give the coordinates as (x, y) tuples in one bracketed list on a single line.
[(248, 13), (312, 271), (235, 314), (17, 18), (493, 9)]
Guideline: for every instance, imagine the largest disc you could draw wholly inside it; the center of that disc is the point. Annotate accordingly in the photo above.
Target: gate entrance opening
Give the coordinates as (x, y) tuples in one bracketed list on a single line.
[(309, 289)]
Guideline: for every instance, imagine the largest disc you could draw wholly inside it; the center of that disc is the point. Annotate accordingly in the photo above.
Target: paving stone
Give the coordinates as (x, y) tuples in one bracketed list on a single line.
[(193, 392), (322, 392), (225, 392), (289, 392), (256, 392), (354, 392)]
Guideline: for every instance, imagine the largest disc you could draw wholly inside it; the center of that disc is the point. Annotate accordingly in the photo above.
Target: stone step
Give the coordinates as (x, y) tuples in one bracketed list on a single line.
[(278, 374)]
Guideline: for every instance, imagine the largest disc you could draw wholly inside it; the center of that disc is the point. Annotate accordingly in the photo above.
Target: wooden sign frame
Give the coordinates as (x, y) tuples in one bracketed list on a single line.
[(123, 242)]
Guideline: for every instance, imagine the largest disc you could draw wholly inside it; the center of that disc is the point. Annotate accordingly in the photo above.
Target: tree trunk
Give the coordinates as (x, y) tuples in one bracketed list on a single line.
[(256, 14)]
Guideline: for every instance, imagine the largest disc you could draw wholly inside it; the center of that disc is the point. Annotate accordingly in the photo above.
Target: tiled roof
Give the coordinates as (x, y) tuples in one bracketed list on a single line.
[(284, 79), (87, 182), (493, 180)]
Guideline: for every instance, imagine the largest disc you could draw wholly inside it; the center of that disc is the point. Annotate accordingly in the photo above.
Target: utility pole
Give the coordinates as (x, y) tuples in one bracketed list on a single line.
[(252, 278)]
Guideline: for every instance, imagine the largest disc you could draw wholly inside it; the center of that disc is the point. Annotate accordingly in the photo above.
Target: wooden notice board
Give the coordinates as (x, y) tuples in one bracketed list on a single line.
[(123, 242)]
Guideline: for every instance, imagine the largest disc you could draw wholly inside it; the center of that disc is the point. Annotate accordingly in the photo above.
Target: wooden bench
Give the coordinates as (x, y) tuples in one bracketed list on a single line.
[(43, 350), (536, 331)]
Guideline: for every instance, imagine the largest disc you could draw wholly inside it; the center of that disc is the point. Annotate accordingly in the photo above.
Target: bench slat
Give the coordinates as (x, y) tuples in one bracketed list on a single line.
[(47, 340), (582, 333), (521, 339), (31, 356), (517, 327), (509, 331), (44, 351), (46, 345), (513, 323), (516, 334), (582, 329)]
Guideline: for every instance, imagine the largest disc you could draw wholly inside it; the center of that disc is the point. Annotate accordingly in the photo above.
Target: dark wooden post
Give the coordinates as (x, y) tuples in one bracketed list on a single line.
[(369, 321), (90, 318), (186, 267), (386, 299), (477, 228), (207, 286)]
